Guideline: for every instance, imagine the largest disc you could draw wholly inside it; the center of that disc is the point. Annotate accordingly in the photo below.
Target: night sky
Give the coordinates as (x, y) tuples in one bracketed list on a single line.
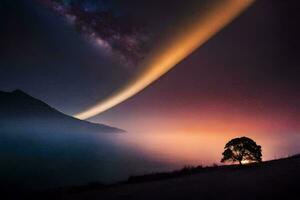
[(243, 81)]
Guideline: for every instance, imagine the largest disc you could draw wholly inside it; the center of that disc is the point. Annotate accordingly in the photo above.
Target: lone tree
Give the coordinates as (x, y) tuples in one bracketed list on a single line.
[(242, 150)]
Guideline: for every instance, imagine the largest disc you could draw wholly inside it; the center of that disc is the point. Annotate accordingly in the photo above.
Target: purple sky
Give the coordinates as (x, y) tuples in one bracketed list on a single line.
[(244, 81)]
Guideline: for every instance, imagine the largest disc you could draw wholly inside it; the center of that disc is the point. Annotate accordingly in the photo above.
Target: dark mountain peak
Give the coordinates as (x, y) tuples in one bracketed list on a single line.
[(16, 94), (19, 98), (19, 92), (18, 106)]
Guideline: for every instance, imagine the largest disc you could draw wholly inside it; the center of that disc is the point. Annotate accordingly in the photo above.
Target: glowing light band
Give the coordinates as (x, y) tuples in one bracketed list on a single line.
[(187, 39)]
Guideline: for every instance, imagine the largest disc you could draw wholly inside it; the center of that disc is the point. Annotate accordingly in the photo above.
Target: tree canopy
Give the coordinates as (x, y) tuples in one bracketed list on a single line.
[(241, 150)]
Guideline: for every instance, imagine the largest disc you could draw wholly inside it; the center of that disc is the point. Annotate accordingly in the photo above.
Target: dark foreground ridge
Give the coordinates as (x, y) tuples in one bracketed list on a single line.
[(277, 179)]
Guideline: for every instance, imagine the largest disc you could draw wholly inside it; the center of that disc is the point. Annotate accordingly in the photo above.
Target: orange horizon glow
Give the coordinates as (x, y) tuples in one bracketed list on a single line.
[(195, 149), (198, 136)]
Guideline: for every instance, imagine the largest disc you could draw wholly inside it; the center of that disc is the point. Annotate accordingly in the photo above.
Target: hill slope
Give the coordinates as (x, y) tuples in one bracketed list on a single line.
[(41, 147), (21, 112), (270, 180)]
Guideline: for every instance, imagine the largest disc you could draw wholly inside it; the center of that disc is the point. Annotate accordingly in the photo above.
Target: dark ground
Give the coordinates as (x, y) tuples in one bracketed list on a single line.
[(277, 179)]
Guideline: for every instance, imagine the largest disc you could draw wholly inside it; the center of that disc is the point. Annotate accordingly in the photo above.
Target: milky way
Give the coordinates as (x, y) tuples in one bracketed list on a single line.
[(198, 29), (109, 29)]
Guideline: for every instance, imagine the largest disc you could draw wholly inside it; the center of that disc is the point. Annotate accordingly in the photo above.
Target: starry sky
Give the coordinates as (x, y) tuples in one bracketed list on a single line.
[(243, 81)]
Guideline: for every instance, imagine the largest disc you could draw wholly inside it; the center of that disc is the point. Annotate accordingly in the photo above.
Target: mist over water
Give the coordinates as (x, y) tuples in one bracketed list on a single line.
[(38, 160)]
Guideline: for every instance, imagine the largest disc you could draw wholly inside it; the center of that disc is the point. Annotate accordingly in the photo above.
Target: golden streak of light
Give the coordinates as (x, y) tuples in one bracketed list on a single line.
[(184, 41)]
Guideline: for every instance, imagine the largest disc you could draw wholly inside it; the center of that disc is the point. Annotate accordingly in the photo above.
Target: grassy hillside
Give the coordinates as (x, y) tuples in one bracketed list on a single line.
[(276, 179)]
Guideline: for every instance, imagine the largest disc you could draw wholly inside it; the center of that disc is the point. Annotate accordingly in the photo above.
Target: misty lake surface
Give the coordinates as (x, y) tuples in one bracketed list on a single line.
[(51, 160), (32, 160)]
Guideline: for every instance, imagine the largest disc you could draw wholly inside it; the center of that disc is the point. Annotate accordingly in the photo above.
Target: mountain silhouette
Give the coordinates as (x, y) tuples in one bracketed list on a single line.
[(22, 112)]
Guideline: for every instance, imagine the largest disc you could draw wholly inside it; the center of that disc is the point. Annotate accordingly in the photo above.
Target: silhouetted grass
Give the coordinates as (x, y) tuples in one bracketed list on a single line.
[(158, 176), (191, 170), (186, 170)]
